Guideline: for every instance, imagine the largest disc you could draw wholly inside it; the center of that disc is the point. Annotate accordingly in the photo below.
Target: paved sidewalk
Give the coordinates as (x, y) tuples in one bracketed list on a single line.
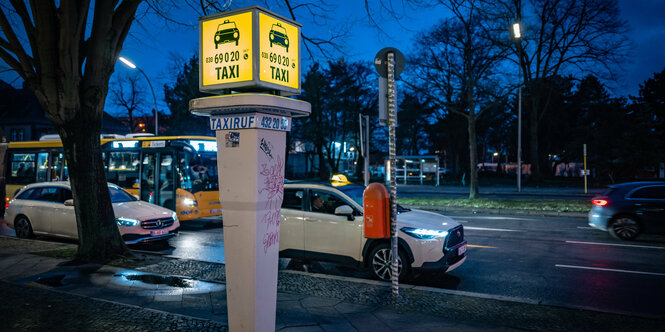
[(42, 293)]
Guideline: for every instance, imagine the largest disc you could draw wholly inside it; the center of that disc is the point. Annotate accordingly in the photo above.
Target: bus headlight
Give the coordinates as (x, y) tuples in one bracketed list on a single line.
[(189, 202)]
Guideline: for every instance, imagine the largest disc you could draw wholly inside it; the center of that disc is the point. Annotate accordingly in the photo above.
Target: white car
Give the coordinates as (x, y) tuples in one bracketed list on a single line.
[(427, 241), (48, 209)]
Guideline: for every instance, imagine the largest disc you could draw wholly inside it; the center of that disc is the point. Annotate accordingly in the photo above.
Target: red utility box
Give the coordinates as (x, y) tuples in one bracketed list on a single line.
[(376, 206)]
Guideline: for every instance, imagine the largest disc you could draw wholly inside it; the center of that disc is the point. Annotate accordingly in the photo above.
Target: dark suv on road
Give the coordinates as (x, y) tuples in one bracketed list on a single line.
[(629, 209)]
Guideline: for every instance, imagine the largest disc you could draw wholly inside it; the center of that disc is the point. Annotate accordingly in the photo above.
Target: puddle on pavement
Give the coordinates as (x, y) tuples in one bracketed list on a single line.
[(158, 284), (159, 280), (51, 281)]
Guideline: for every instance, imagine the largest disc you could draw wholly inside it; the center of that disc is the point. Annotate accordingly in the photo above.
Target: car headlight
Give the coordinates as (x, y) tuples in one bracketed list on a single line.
[(189, 202), (423, 233), (174, 216), (286, 41), (127, 222), (235, 35)]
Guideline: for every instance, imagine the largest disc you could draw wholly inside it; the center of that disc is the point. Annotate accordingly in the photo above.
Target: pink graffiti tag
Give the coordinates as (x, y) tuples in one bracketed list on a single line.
[(273, 186)]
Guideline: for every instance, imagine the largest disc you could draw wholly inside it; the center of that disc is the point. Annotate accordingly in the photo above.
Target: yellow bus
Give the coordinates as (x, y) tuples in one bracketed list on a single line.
[(176, 172)]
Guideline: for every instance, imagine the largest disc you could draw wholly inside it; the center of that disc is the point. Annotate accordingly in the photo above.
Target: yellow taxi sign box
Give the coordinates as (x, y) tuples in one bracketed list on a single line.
[(249, 49)]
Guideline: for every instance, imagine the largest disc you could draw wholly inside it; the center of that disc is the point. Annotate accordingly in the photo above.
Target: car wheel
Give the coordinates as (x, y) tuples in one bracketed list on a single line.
[(379, 263), (23, 228), (624, 228)]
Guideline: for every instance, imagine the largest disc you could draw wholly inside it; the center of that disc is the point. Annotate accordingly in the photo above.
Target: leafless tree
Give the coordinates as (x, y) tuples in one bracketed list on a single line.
[(560, 37), (128, 94), (455, 65)]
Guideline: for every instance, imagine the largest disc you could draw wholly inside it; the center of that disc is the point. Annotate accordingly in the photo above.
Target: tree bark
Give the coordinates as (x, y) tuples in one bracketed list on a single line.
[(99, 237), (473, 159)]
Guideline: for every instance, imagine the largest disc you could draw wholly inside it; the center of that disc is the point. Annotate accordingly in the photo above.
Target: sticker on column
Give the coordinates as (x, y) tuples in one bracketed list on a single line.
[(266, 147), (232, 139)]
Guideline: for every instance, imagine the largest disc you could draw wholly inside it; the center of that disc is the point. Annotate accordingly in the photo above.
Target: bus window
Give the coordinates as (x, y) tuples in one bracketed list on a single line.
[(166, 189), (183, 171), (123, 168), (59, 168), (148, 178), (42, 167), (22, 168)]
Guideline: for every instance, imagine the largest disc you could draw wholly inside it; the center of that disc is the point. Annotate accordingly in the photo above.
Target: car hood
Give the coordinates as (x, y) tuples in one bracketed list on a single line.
[(425, 219), (140, 210)]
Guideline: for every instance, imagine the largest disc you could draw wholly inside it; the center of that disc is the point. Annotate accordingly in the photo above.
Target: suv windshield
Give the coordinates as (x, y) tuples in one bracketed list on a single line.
[(356, 194)]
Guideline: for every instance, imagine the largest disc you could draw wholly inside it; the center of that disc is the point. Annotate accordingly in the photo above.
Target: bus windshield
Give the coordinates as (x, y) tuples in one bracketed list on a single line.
[(198, 172)]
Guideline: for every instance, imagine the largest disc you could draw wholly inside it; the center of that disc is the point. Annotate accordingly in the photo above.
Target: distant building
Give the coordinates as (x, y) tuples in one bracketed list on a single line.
[(22, 118)]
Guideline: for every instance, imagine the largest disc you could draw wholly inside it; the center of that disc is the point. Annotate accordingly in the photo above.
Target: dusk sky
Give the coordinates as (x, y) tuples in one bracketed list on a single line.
[(153, 46)]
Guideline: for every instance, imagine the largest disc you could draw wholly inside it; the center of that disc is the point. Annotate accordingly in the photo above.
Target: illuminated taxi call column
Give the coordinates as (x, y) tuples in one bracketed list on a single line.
[(250, 58)]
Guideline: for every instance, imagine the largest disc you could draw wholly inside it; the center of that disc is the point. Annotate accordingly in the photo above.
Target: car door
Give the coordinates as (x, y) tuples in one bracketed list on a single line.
[(291, 229), (43, 205), (328, 235), (63, 221), (649, 204)]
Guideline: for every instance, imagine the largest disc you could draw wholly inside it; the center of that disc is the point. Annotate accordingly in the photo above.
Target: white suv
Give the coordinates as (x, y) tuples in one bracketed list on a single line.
[(333, 231)]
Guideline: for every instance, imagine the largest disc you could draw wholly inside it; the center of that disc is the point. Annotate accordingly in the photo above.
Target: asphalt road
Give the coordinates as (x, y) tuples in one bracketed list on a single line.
[(559, 261)]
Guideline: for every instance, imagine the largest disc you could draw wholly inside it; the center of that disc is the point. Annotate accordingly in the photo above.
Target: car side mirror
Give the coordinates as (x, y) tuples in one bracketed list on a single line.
[(345, 210), (69, 202)]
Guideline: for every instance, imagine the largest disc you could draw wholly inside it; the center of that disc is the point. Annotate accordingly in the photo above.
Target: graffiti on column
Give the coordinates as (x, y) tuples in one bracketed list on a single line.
[(272, 177)]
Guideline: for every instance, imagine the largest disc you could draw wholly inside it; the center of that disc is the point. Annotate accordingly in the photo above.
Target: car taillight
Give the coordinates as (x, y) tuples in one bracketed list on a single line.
[(599, 202), (6, 203)]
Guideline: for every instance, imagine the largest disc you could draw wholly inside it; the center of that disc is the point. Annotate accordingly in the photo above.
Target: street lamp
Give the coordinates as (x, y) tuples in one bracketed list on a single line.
[(517, 34), (154, 99)]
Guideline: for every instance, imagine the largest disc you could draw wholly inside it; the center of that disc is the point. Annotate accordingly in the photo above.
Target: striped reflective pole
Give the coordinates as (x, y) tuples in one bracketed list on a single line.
[(392, 117)]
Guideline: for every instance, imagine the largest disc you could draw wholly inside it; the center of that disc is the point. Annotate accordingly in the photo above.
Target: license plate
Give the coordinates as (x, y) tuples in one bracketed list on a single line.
[(159, 232), (461, 250)]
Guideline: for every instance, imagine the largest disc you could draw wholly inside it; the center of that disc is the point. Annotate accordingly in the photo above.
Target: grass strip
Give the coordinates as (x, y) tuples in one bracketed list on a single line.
[(559, 205)]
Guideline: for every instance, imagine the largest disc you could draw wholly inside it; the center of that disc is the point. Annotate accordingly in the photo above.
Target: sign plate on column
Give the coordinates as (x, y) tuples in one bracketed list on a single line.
[(250, 120)]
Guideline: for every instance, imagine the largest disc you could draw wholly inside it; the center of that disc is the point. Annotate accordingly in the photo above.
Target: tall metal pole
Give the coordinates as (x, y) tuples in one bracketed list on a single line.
[(366, 160), (154, 99), (519, 120), (364, 145), (392, 118), (519, 127)]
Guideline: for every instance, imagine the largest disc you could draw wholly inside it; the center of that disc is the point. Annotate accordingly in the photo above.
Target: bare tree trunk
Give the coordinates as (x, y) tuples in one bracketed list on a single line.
[(533, 149), (473, 158), (99, 237)]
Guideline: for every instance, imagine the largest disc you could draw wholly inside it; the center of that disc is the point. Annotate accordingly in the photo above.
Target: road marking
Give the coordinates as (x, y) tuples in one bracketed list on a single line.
[(586, 227), (462, 221), (614, 244), (490, 229), (502, 218), (609, 270), (479, 246)]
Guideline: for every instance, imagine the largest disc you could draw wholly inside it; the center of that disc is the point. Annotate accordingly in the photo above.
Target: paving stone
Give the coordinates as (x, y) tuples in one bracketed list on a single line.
[(347, 308), (365, 321), (315, 328), (313, 301), (342, 326), (325, 315)]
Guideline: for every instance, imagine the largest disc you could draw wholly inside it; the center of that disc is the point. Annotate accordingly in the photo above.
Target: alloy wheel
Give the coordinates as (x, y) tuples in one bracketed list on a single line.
[(22, 228), (381, 264), (625, 228)]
